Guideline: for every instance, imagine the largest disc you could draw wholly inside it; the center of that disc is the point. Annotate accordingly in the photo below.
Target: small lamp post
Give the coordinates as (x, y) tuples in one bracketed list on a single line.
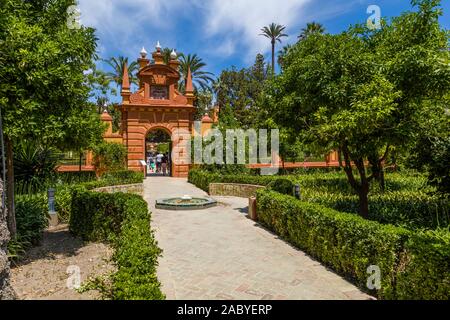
[(297, 192), (53, 221)]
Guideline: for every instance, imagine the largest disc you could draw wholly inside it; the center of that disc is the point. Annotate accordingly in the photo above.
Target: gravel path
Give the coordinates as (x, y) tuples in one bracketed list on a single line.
[(45, 270)]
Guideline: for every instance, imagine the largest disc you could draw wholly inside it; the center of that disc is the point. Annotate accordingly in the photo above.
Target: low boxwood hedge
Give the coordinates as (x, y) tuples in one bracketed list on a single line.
[(413, 265), (405, 203), (409, 209), (63, 195), (122, 220), (282, 185)]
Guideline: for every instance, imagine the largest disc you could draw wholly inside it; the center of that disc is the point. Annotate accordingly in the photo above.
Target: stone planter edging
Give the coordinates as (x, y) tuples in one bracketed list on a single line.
[(233, 190)]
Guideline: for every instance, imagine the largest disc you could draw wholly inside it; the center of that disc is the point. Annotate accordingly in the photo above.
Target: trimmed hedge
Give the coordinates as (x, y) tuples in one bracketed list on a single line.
[(409, 209), (63, 196), (76, 177), (426, 275), (123, 221), (123, 177), (413, 265), (283, 186), (405, 202)]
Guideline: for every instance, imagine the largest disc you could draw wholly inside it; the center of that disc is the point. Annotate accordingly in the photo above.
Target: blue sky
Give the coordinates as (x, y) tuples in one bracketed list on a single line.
[(222, 32)]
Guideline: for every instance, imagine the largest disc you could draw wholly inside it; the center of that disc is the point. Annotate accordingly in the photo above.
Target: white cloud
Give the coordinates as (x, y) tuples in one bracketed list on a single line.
[(123, 23), (226, 48), (244, 19), (121, 20), (220, 27)]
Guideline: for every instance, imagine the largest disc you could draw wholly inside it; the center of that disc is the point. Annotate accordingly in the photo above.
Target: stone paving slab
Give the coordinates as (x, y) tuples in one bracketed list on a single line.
[(218, 253)]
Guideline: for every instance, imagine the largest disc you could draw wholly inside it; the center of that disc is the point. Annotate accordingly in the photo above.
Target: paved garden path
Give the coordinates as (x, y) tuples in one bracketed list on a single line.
[(219, 253)]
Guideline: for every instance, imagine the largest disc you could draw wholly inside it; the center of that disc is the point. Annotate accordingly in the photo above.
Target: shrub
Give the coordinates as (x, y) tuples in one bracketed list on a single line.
[(109, 157), (347, 243), (350, 244), (34, 166), (63, 196), (31, 218), (406, 202), (410, 209), (225, 169), (426, 276), (122, 220), (76, 177), (283, 186), (123, 177)]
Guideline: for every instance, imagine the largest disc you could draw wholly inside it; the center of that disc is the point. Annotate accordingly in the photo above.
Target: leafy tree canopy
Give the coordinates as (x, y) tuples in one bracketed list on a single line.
[(363, 91), (43, 70), (239, 93)]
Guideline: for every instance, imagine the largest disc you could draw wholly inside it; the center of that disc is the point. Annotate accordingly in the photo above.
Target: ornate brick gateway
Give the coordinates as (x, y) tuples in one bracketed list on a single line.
[(157, 104)]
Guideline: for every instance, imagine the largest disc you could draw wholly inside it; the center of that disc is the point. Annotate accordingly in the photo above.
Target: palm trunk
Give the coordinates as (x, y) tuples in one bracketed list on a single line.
[(273, 57), (10, 188)]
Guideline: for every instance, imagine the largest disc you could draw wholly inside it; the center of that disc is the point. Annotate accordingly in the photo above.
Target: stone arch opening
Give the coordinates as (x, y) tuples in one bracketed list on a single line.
[(158, 150)]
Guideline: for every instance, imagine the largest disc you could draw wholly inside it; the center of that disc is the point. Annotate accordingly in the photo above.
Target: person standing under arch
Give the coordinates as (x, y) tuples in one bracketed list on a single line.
[(164, 162)]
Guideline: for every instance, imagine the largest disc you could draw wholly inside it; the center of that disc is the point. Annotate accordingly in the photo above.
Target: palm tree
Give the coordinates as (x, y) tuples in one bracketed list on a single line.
[(311, 28), (118, 64), (166, 52), (199, 77), (274, 32), (282, 54)]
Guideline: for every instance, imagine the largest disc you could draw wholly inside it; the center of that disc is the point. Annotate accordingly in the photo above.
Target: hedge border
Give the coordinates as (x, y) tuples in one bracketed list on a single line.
[(413, 265), (123, 220), (411, 209)]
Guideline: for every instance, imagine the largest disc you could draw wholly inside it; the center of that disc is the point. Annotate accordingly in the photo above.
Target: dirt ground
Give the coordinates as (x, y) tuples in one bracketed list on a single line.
[(46, 270)]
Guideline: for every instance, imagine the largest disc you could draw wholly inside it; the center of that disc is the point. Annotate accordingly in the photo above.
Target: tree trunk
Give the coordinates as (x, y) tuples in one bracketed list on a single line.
[(377, 165), (340, 158), (6, 290), (364, 190), (364, 204), (81, 159), (361, 188), (11, 218)]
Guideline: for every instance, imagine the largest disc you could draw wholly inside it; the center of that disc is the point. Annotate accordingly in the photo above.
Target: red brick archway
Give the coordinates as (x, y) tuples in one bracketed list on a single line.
[(157, 104)]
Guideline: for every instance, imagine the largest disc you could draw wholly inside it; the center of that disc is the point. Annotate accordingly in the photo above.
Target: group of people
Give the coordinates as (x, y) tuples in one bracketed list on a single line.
[(158, 163)]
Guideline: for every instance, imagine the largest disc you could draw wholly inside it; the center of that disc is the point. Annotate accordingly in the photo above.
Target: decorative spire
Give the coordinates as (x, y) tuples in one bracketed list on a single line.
[(189, 89), (125, 78), (189, 86), (158, 46), (143, 53), (173, 55)]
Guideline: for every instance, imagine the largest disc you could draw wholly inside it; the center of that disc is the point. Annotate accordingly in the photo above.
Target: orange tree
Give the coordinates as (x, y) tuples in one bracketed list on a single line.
[(364, 91), (43, 87)]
